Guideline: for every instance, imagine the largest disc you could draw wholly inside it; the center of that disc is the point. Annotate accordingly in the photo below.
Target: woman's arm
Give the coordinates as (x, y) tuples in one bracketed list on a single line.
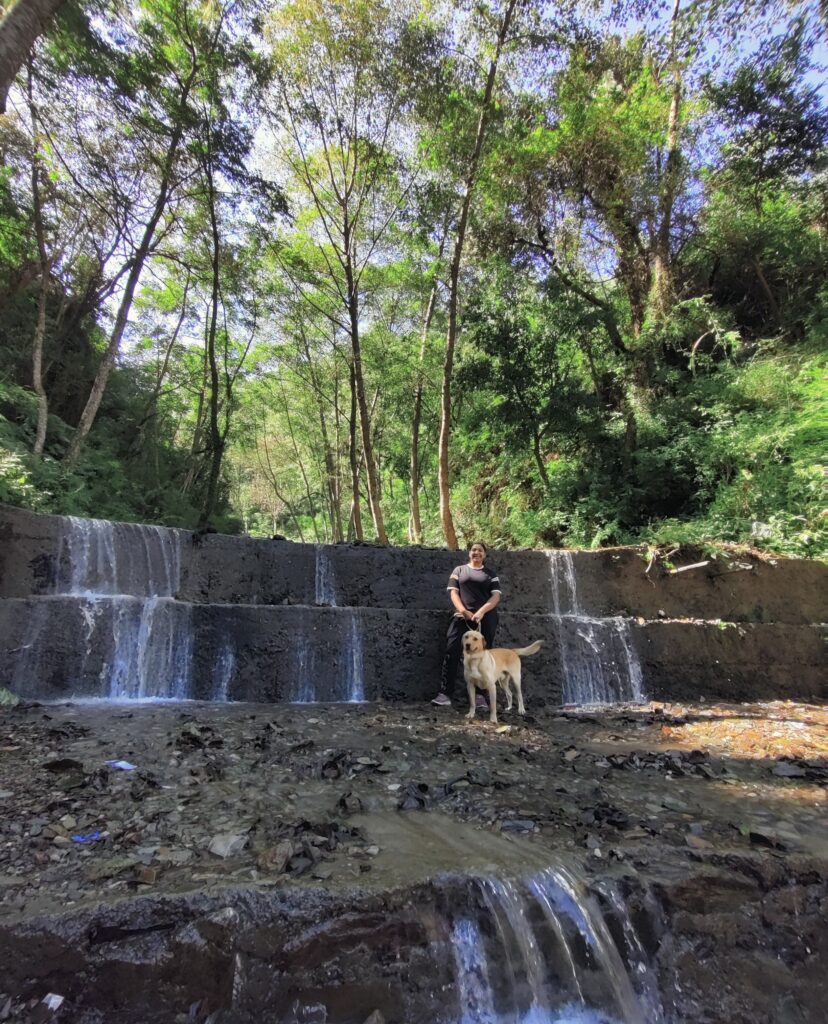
[(459, 607), (489, 606)]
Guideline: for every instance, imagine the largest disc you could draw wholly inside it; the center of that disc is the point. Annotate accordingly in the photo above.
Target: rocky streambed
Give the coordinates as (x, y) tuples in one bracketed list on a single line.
[(194, 862)]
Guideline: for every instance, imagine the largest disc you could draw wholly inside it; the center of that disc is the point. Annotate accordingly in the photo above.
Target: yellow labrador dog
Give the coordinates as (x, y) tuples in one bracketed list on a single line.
[(485, 669)]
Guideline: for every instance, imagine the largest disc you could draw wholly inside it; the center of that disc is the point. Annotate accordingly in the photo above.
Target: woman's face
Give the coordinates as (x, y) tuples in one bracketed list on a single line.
[(477, 555)]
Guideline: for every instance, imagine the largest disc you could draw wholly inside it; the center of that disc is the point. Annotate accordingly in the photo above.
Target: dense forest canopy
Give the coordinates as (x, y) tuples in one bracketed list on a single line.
[(551, 274)]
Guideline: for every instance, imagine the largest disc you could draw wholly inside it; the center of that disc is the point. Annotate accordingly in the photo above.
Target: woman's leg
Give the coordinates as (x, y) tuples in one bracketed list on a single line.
[(454, 652), (488, 627)]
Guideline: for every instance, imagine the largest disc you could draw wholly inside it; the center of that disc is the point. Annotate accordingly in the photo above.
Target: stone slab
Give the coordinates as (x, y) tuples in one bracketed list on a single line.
[(57, 647), (218, 569)]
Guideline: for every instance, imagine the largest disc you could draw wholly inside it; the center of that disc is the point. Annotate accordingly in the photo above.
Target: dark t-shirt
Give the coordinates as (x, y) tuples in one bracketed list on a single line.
[(476, 586)]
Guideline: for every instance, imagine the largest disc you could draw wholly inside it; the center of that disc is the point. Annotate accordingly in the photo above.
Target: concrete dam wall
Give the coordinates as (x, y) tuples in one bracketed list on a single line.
[(90, 608)]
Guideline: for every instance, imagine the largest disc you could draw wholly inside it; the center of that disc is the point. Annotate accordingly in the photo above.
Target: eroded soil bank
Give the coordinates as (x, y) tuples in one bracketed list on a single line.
[(287, 863)]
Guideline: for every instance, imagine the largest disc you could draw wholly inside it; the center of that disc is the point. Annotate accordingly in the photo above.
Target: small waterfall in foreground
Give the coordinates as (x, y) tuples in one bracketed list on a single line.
[(599, 664), (127, 576), (544, 950)]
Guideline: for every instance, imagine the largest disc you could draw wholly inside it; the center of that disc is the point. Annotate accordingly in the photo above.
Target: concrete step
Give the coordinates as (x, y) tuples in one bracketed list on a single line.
[(57, 647), (217, 569)]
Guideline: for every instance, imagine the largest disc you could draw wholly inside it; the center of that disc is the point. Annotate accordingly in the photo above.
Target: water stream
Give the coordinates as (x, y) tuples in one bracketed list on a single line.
[(127, 577), (599, 664), (540, 950)]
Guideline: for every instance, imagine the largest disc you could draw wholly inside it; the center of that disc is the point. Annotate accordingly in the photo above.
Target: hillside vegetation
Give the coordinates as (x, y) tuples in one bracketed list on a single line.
[(420, 273)]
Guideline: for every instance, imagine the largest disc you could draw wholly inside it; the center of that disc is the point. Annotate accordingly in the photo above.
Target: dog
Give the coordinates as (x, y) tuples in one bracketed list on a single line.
[(485, 669)]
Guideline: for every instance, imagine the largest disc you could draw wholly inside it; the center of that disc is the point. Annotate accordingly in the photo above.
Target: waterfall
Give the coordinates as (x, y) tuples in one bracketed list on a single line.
[(472, 972), (128, 576), (97, 557), (303, 689), (354, 666), (223, 671), (599, 664), (541, 951), (152, 650), (324, 578)]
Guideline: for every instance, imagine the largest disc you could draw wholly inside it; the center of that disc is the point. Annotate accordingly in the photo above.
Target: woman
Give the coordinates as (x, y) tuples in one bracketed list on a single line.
[(475, 593)]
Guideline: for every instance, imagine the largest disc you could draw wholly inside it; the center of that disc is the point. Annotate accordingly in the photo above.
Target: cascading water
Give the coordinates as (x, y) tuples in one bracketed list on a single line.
[(354, 665), (324, 578), (541, 951), (598, 661), (302, 690), (223, 672), (97, 558), (127, 577), (352, 672)]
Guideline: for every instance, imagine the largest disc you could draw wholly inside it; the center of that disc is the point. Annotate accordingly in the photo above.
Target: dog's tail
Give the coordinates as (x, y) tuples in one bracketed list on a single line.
[(521, 652)]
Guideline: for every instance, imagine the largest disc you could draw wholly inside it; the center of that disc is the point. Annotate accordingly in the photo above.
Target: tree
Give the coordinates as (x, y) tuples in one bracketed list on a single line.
[(337, 103), (460, 229), (22, 23)]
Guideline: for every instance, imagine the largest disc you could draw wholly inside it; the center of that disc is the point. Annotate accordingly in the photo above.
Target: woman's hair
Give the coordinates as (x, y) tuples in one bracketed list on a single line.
[(479, 544)]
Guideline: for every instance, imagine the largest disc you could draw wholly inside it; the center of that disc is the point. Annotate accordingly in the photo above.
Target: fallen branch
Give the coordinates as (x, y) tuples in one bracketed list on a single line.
[(686, 568)]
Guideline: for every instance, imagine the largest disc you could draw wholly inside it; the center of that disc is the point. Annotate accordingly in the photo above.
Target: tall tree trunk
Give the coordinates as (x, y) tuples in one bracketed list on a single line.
[(45, 268), (22, 23), (217, 437), (536, 449), (300, 463), (766, 288), (274, 484), (356, 515), (331, 473), (362, 404), (454, 283), (37, 368), (195, 447), (415, 532), (139, 259), (662, 292), (150, 415)]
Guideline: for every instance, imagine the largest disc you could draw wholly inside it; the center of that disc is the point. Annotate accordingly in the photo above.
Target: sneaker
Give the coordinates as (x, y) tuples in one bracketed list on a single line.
[(481, 703), (442, 701)]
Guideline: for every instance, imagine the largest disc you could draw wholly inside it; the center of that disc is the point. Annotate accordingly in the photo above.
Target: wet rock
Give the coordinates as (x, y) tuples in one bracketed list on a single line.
[(98, 870), (349, 804), (413, 797), (517, 825), (227, 844), (195, 736), (275, 859), (62, 764), (788, 1011), (697, 842), (300, 865), (762, 838)]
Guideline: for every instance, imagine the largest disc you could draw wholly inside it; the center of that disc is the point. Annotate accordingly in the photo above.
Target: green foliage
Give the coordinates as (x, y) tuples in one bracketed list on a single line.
[(643, 304)]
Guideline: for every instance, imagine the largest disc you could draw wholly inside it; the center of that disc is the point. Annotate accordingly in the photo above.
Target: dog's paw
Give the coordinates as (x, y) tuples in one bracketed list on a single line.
[(469, 715)]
